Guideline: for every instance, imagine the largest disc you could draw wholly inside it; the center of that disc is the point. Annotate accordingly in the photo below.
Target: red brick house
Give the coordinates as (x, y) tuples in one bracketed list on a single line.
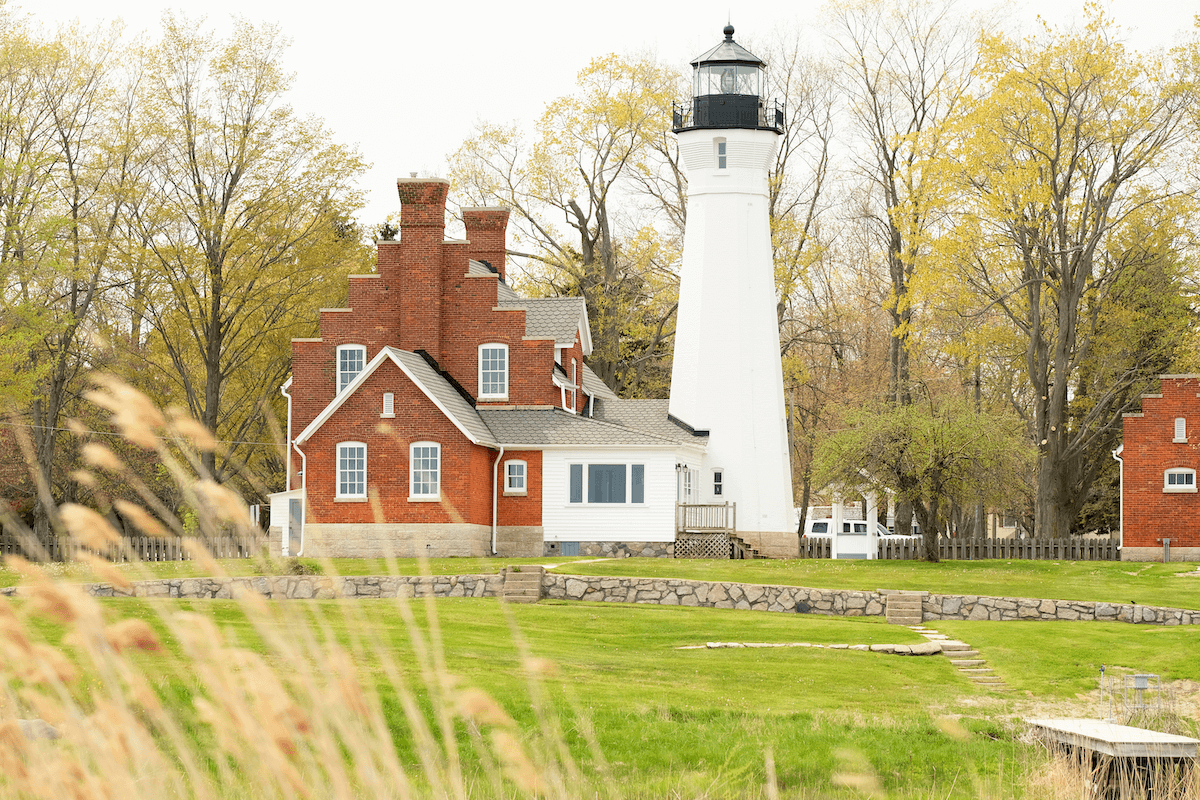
[(1159, 459), (443, 413)]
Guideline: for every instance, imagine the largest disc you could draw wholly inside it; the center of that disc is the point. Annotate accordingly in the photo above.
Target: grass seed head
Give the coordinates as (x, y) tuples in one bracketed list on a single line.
[(132, 411), (224, 503), (517, 765), (183, 424), (143, 519), (101, 456), (85, 479), (59, 602), (478, 705), (106, 571), (91, 529), (50, 666), (132, 634)]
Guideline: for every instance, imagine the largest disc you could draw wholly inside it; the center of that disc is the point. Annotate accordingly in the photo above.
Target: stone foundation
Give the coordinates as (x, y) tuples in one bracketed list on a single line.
[(524, 541), (370, 540), (1156, 553), (627, 549)]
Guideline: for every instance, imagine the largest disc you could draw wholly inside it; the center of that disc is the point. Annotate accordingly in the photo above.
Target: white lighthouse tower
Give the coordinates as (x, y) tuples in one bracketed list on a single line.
[(727, 375)]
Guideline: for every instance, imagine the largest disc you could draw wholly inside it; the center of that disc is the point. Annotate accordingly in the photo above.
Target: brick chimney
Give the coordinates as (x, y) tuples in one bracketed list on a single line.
[(486, 229), (416, 264)]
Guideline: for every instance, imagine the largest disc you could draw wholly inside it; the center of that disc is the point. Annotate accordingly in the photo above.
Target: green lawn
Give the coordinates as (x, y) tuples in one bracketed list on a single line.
[(696, 720), (1112, 581), (278, 566)]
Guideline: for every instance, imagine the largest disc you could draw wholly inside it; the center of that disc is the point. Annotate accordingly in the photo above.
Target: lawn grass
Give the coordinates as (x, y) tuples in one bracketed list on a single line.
[(686, 722), (1062, 659), (1146, 584), (244, 567)]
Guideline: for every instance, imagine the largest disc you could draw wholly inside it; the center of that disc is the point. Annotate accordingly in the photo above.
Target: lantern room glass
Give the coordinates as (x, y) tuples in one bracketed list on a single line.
[(744, 79)]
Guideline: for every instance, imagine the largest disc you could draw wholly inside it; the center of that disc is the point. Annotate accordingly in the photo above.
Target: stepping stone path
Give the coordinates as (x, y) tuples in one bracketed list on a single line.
[(961, 654), (965, 658)]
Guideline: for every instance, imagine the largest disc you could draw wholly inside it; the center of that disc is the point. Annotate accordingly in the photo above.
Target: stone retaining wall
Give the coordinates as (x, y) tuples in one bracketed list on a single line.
[(303, 587), (657, 591), (840, 602)]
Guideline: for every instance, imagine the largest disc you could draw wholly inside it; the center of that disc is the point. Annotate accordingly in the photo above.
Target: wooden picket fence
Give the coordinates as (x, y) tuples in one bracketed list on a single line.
[(981, 547), (131, 548)]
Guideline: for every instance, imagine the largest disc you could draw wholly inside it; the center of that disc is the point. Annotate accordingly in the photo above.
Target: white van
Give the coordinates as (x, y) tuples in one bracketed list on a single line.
[(824, 527)]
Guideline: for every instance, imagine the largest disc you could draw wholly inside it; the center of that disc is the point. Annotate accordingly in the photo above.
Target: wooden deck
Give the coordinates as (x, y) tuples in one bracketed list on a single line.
[(1119, 741)]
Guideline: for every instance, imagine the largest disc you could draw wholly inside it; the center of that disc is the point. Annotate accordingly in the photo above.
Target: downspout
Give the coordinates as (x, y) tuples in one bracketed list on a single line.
[(1120, 498), (303, 475), (495, 489)]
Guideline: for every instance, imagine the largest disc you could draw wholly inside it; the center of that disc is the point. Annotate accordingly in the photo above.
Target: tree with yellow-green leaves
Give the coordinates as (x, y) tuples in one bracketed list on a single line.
[(1065, 209), (245, 229), (584, 197)]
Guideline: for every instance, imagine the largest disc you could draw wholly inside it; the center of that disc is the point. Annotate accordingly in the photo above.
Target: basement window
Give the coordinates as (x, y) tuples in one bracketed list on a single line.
[(1180, 480)]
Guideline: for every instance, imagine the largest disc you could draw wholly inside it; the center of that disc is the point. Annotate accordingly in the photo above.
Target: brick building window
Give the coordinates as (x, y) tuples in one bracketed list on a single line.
[(1179, 479), (425, 467), (493, 371), (1180, 430), (350, 361), (389, 405), (514, 477), (351, 470)]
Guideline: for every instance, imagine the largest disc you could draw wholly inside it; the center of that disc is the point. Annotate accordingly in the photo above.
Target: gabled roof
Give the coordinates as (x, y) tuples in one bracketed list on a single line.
[(596, 387), (554, 427), (558, 317), (433, 385)]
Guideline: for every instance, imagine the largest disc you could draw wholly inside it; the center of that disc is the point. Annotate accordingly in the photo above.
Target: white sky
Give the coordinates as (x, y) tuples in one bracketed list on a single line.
[(406, 81)]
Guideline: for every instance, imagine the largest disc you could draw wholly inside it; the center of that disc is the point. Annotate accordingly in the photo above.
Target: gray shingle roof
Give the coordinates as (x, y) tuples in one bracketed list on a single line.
[(596, 387), (553, 426), (460, 410), (648, 416), (559, 317)]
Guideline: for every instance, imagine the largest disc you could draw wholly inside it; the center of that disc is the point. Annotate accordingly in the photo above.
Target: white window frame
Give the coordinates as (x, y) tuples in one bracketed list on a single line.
[(493, 395), (509, 482), (718, 482), (1186, 486), (424, 496), (586, 478), (1180, 430), (389, 406), (339, 473), (342, 380), (721, 150)]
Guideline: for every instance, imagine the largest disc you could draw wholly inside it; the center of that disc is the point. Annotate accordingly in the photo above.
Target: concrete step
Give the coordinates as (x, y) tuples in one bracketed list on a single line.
[(522, 591), (967, 662), (900, 620), (988, 680), (961, 653), (977, 670), (526, 600), (523, 580)]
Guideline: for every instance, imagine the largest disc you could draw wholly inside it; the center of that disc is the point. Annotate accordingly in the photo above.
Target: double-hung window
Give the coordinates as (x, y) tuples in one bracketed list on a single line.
[(350, 361), (722, 154), (493, 371), (514, 477), (425, 469), (351, 470), (608, 483)]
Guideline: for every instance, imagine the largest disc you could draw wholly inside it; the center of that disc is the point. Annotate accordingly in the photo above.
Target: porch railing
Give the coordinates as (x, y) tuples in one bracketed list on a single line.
[(705, 517)]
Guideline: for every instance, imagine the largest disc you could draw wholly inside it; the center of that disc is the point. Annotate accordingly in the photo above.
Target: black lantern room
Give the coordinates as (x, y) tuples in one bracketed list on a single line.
[(728, 87)]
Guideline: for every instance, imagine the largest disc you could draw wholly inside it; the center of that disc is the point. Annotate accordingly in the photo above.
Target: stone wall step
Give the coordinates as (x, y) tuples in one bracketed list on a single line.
[(508, 599), (961, 653)]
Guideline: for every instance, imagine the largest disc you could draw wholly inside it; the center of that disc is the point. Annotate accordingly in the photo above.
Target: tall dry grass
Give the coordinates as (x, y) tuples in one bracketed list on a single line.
[(167, 703)]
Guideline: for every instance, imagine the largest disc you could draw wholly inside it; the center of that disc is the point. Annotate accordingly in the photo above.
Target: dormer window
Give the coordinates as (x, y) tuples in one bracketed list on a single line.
[(350, 361), (493, 371)]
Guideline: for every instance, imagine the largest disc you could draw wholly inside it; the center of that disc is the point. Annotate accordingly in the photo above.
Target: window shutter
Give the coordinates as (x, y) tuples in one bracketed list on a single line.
[(1180, 429), (389, 404), (577, 483)]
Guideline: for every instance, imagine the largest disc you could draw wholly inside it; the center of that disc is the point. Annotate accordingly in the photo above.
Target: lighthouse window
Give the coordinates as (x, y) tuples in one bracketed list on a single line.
[(721, 155)]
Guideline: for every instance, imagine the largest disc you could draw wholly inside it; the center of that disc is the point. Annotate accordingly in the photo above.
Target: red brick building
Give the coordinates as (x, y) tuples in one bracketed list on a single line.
[(443, 413), (1159, 458)]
